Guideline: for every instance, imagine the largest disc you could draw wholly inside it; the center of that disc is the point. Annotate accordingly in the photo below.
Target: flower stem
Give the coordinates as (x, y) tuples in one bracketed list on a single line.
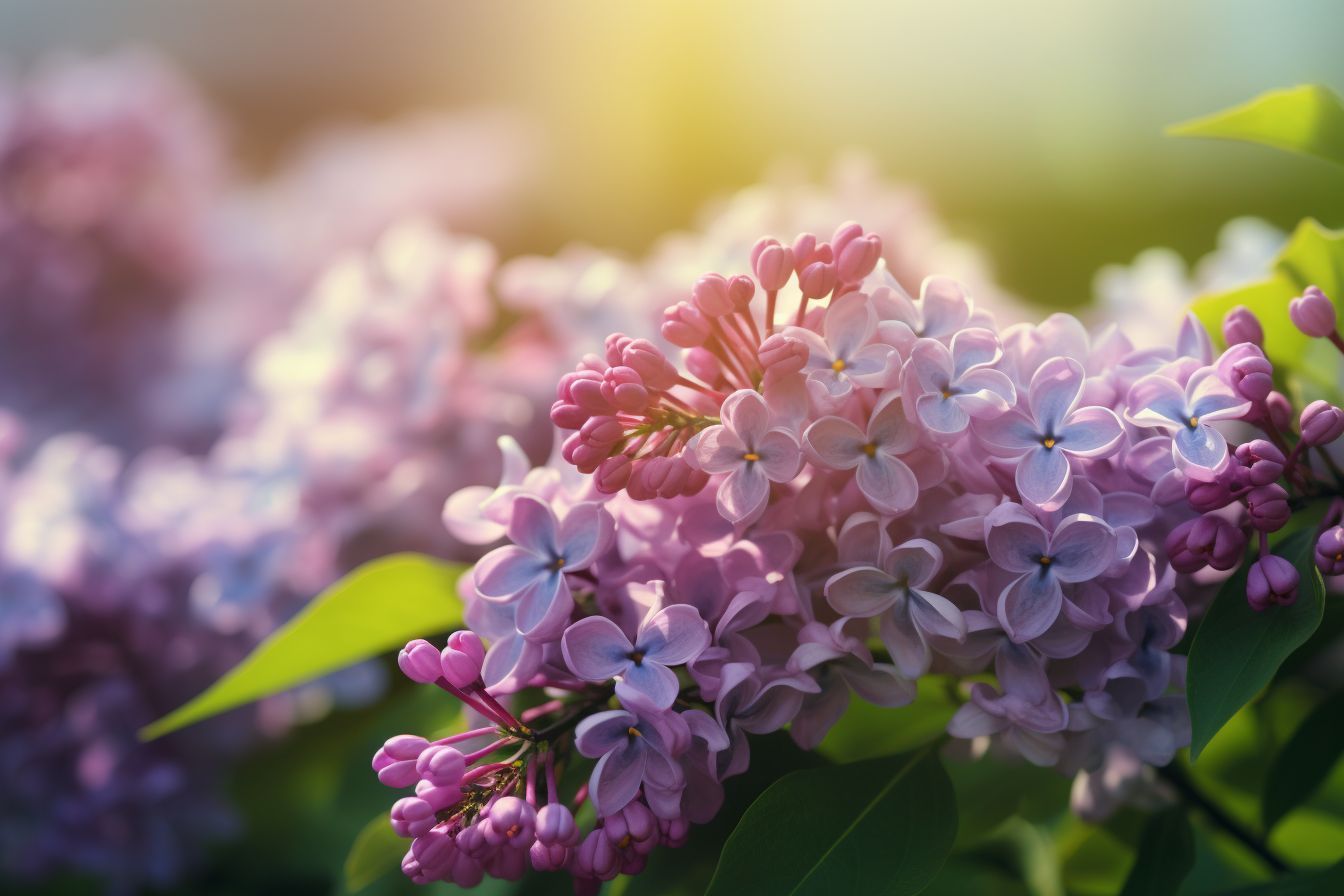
[(1190, 792)]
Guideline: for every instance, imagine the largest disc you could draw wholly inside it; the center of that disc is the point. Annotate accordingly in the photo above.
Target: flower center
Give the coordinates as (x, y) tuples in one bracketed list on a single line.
[(838, 365), (1193, 421), (870, 449), (636, 656), (513, 831), (558, 564), (633, 731), (1049, 442), (1044, 560), (947, 393), (751, 457)]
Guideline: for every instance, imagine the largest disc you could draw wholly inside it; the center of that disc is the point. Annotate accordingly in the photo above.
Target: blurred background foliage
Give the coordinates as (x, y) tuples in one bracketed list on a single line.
[(1036, 131), (1035, 128)]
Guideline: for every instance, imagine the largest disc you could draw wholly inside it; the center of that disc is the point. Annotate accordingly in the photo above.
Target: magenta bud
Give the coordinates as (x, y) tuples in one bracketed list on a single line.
[(412, 817), (1268, 506), (741, 289), (1272, 580), (804, 251), (1330, 551), (395, 760), (1206, 496), (695, 483), (1241, 325), (441, 766), (844, 235), (817, 280), (772, 264), (684, 325), (859, 258), (710, 295), (780, 355), (1205, 541), (1248, 371), (1263, 461), (1313, 313), (419, 660), (612, 474), (556, 826), (637, 487), (650, 363), (461, 660), (623, 388), (602, 432), (1322, 423), (615, 345), (568, 416), (1280, 409), (512, 821)]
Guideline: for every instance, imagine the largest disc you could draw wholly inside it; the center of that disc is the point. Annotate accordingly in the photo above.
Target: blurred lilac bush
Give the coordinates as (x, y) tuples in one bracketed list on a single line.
[(218, 395)]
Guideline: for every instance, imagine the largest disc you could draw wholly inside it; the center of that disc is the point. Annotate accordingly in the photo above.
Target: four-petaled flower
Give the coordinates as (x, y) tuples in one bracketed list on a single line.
[(945, 387), (752, 453), (1198, 449), (1052, 428), (842, 356), (883, 477), (910, 614), (1081, 548), (630, 750), (595, 649), (530, 573)]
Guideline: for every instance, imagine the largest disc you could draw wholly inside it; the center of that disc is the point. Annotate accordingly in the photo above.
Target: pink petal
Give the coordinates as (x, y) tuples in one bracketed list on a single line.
[(595, 649), (746, 414), (863, 591), (743, 494), (887, 483)]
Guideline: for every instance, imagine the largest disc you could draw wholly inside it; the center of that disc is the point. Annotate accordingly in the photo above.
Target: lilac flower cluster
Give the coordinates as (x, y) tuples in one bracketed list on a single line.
[(832, 495)]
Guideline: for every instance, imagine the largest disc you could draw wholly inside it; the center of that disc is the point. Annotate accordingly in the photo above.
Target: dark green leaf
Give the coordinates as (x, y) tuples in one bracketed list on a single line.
[(1165, 856), (1237, 650), (1307, 119), (376, 608), (866, 731), (1305, 761), (882, 827), (1302, 883), (376, 851)]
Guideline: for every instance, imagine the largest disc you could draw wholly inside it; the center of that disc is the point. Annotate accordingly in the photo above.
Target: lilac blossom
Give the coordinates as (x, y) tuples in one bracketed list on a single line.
[(873, 453), (947, 387), (750, 451), (631, 751), (1159, 401)]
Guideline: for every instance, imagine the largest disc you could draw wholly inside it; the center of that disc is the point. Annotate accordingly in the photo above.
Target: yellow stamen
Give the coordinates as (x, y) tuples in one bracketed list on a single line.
[(559, 564), (751, 457), (870, 449), (1048, 442), (837, 365), (633, 731), (1045, 561), (624, 842), (1194, 421)]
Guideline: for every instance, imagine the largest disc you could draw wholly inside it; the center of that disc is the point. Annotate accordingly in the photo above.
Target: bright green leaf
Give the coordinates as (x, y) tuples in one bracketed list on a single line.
[(1307, 119), (1237, 650), (867, 731), (376, 608), (1305, 761), (882, 828), (376, 851), (1165, 856)]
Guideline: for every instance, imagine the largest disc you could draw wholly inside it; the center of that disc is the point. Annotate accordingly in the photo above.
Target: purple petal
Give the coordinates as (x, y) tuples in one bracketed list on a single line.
[(944, 307), (1054, 391), (1030, 605), (1091, 432), (985, 392), (746, 414), (505, 571), (888, 427), (971, 721), (647, 684), (1211, 399), (863, 591), (617, 776), (717, 449), (818, 715), (585, 533), (1156, 400), (914, 562), (674, 635), (544, 608), (882, 685), (532, 526), (937, 616), (905, 641), (888, 483), (974, 347), (1015, 540), (1021, 673), (1081, 548), (849, 323), (1200, 452), (1010, 435), (836, 442), (603, 732), (942, 415), (510, 663), (1043, 477), (931, 365), (743, 493), (869, 366), (780, 456), (595, 649)]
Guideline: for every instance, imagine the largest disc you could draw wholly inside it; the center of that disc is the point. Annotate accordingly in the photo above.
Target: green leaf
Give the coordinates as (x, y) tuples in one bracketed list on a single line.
[(1301, 883), (1237, 650), (1166, 855), (376, 851), (1307, 119), (867, 731), (1305, 761), (376, 608), (882, 827)]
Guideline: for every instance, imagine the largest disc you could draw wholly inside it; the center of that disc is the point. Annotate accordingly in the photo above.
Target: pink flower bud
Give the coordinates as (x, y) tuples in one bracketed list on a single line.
[(512, 821), (772, 264), (585, 390), (1313, 313), (741, 289), (859, 258), (419, 660), (395, 760), (568, 416), (1322, 423), (612, 474), (602, 432), (441, 766), (650, 363), (638, 487), (461, 660), (1241, 325), (781, 355), (817, 280), (412, 817), (623, 388), (1205, 541), (1280, 409), (684, 325), (844, 235), (1272, 580), (804, 251), (1263, 461), (556, 826), (710, 295), (1268, 506), (1206, 496), (704, 365), (614, 346), (1245, 368)]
